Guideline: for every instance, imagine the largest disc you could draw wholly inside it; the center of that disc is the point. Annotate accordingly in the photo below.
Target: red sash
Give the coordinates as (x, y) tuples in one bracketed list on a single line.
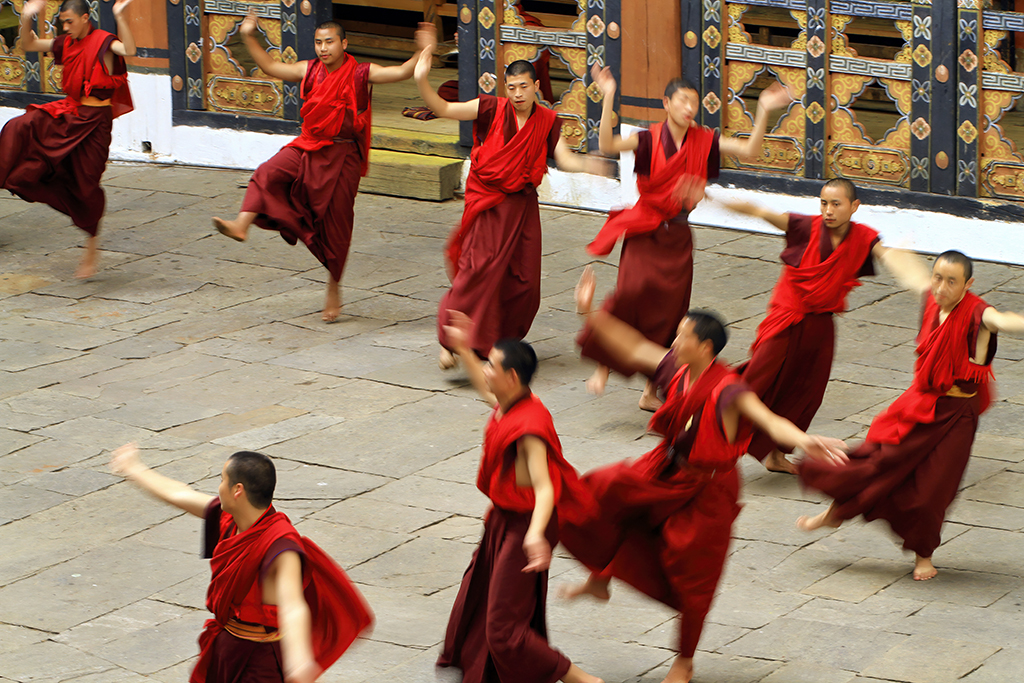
[(329, 104), (943, 357), (84, 71), (498, 169), (497, 476), (817, 286), (660, 198), (338, 611)]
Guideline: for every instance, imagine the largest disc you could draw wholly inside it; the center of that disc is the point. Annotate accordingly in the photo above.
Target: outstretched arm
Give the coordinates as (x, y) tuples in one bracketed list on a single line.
[(607, 141), (773, 97), (124, 46), (460, 111), (426, 41), (782, 431), (908, 268), (459, 331), (624, 342), (267, 64), (126, 462), (535, 544), (30, 42), (778, 220), (293, 614), (573, 162), (997, 321)]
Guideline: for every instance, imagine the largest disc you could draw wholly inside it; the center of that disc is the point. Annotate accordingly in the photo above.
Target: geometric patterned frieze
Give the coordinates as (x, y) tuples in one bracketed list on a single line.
[(799, 5), (240, 9), (993, 80), (529, 36), (869, 67), (866, 8), (766, 55), (1003, 21)]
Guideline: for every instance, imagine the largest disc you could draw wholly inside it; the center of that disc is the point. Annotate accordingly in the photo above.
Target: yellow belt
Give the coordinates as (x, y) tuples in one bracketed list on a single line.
[(957, 392), (90, 101), (254, 632)]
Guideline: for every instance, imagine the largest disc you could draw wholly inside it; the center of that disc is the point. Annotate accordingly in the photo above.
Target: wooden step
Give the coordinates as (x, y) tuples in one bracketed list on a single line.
[(417, 176), (417, 142)]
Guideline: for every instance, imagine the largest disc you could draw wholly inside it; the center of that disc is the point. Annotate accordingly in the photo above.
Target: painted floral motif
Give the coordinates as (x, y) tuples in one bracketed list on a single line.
[(595, 26), (713, 10), (486, 18), (967, 171), (288, 55), (816, 149), (919, 167), (487, 82), (967, 132), (969, 95), (193, 53), (712, 103), (923, 27), (195, 87), (922, 55), (968, 60), (920, 128), (594, 93), (192, 15), (815, 112), (711, 67), (922, 91), (288, 22), (816, 78), (967, 29), (595, 55), (712, 37), (815, 47)]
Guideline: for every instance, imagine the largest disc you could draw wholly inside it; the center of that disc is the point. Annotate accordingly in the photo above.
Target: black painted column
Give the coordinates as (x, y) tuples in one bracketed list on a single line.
[(968, 96), (469, 71), (815, 100)]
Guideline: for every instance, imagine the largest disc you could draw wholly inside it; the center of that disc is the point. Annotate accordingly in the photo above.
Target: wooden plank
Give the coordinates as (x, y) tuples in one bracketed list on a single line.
[(417, 142), (410, 175)]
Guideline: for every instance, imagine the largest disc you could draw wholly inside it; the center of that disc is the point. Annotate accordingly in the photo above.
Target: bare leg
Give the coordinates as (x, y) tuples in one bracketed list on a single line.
[(595, 385), (778, 462), (237, 229), (578, 675), (447, 360), (87, 266), (649, 400), (595, 586), (332, 303), (923, 568), (681, 671), (825, 519)]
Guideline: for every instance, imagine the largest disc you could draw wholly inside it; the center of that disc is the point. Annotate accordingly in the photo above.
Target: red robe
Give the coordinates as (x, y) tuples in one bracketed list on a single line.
[(494, 254), (238, 561), (791, 357), (497, 632), (307, 190), (655, 277), (908, 470), (56, 152), (665, 519)]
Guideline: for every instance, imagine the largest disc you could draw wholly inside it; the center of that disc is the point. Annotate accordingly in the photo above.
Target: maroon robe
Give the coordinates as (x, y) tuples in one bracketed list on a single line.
[(908, 473), (494, 255), (791, 358), (307, 190), (665, 519), (655, 276), (56, 153), (497, 632)]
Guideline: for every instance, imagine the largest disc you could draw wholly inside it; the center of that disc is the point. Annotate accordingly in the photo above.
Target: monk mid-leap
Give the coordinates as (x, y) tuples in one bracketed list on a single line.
[(674, 160), (908, 470), (308, 189), (56, 153)]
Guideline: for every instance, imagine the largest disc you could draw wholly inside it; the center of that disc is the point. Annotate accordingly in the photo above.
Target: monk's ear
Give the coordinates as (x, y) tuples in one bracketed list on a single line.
[(855, 204), (967, 285), (344, 44)]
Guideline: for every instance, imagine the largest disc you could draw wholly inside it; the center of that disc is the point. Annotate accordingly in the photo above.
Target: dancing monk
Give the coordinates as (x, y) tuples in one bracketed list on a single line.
[(307, 190), (56, 152), (673, 162), (908, 470), (497, 632), (494, 255), (665, 519), (282, 609)]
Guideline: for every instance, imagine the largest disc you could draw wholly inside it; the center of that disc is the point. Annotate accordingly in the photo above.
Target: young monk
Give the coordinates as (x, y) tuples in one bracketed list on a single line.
[(494, 255), (282, 609), (307, 190), (674, 160), (497, 631), (664, 520), (824, 257), (56, 152), (908, 470)]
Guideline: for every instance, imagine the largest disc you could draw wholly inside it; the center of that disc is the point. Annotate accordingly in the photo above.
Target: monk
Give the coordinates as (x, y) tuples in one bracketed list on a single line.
[(674, 160), (664, 520), (307, 190), (493, 256), (497, 632), (823, 260), (282, 609), (56, 152), (908, 470)]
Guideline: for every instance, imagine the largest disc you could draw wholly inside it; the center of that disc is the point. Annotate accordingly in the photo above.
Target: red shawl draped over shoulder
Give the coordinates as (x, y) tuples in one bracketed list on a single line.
[(943, 357), (660, 196), (498, 169), (338, 611), (497, 476), (331, 101), (817, 286), (84, 72)]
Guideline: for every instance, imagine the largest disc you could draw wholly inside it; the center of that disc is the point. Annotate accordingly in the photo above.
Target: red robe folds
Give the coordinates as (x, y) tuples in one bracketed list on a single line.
[(494, 254), (908, 470), (791, 357), (665, 519), (497, 632), (238, 561), (656, 266), (56, 152), (307, 190)]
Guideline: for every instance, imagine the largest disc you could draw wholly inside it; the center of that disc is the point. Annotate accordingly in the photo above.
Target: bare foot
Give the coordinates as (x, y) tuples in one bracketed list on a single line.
[(825, 519), (594, 586), (595, 385), (924, 569), (231, 229), (681, 671), (447, 360), (332, 302), (578, 675), (649, 400), (778, 462), (87, 266)]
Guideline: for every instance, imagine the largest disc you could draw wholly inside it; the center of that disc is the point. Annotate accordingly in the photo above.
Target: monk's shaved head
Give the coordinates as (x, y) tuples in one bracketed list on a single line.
[(677, 84), (519, 356), (843, 184), (333, 26), (79, 7), (257, 475), (960, 259), (520, 67), (709, 327)]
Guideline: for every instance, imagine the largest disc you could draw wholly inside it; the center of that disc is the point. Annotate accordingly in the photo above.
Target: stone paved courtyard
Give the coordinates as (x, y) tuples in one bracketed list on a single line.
[(196, 346)]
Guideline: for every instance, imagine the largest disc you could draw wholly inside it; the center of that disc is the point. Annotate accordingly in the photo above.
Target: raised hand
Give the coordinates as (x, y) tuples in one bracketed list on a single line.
[(422, 68), (775, 96), (584, 292), (426, 37), (248, 26), (459, 330), (604, 79), (119, 7), (125, 460), (33, 8)]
